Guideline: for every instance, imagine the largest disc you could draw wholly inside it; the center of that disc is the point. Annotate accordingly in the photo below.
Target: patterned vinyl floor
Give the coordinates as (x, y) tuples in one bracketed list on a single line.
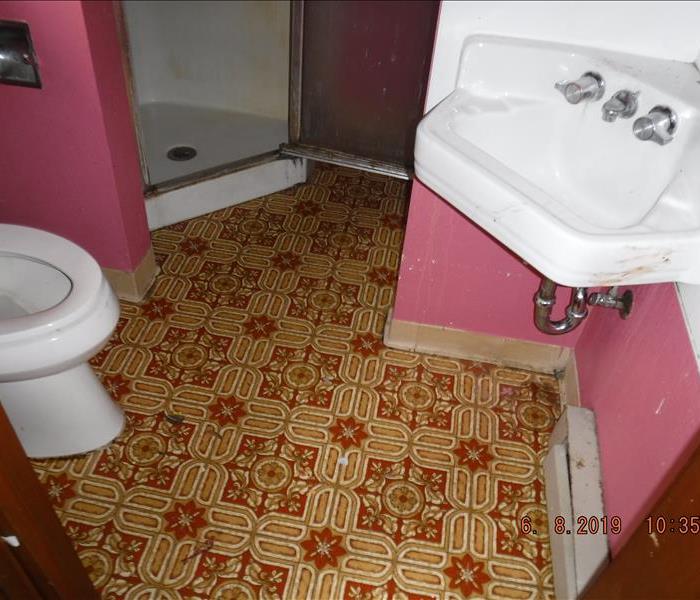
[(276, 449)]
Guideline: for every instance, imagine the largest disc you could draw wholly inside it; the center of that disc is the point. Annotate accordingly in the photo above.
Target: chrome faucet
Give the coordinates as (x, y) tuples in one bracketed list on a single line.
[(623, 104), (590, 86), (659, 126)]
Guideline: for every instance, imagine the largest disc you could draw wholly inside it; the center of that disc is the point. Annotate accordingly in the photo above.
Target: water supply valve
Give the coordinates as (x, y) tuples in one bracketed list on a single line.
[(610, 299), (590, 86)]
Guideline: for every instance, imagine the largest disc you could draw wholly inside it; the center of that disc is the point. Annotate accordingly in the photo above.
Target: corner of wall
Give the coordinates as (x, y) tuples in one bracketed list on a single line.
[(134, 286), (107, 58), (640, 377)]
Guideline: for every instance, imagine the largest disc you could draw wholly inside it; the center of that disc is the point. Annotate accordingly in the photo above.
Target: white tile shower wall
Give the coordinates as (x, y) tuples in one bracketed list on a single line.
[(223, 55), (661, 29)]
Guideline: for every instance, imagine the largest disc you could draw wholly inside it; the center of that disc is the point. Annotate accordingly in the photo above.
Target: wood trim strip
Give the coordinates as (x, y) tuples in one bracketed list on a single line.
[(133, 286), (568, 383), (456, 343)]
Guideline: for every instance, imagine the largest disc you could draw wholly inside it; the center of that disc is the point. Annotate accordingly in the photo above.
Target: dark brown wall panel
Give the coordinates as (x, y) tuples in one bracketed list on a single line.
[(365, 73)]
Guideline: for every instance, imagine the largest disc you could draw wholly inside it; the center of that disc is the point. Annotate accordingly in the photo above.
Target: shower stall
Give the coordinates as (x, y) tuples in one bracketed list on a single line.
[(210, 82), (230, 98)]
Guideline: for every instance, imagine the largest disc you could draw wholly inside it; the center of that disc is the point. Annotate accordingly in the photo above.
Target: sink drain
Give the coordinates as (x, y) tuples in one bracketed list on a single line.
[(182, 153)]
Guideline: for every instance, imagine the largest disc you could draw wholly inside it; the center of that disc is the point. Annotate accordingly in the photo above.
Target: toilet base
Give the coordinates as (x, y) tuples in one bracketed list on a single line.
[(62, 414)]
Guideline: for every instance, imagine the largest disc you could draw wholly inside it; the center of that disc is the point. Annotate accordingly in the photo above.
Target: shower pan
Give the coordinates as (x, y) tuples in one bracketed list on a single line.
[(230, 98), (210, 82)]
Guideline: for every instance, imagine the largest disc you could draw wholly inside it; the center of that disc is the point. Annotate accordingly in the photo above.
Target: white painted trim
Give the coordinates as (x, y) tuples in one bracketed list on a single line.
[(689, 298), (574, 490), (556, 475), (221, 192)]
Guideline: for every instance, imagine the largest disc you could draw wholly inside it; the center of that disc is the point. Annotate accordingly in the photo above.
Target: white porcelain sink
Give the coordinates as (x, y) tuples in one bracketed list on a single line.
[(582, 200)]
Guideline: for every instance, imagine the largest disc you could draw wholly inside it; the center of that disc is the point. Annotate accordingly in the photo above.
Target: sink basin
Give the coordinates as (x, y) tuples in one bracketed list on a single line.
[(582, 200)]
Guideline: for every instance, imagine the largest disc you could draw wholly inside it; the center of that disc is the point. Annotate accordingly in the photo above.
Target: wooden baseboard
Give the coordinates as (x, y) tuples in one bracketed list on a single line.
[(432, 339), (568, 383), (508, 352), (133, 285)]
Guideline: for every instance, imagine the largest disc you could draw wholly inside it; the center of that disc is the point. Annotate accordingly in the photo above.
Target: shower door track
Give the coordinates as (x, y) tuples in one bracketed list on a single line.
[(346, 160), (211, 173)]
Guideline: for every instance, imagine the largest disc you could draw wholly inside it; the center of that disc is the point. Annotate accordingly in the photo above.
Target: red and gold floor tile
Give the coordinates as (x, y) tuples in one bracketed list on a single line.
[(275, 448)]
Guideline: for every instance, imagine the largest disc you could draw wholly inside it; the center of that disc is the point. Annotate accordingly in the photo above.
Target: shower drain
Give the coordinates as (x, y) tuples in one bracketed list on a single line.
[(182, 153)]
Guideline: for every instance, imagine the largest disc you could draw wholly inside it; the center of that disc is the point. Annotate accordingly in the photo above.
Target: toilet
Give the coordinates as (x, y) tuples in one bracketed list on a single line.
[(56, 311)]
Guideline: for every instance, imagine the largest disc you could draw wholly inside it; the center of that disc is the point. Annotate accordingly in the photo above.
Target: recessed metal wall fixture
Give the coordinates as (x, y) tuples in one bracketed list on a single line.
[(590, 86), (577, 310), (18, 63)]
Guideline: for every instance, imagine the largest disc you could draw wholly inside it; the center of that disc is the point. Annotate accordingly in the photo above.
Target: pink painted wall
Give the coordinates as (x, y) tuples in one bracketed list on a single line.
[(70, 159), (455, 275), (641, 378)]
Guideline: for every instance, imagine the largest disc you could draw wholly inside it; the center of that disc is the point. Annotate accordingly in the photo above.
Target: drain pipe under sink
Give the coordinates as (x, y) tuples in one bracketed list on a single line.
[(577, 309), (544, 303)]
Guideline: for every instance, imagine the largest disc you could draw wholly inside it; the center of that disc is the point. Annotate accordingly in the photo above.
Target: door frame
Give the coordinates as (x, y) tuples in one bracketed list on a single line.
[(37, 559), (658, 562)]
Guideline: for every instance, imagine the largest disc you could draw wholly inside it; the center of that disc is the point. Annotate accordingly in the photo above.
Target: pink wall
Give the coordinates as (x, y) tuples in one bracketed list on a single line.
[(70, 160), (455, 275), (641, 379), (639, 376)]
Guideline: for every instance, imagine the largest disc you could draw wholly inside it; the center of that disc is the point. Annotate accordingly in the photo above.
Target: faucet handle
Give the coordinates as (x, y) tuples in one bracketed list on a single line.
[(659, 126), (590, 86), (622, 104)]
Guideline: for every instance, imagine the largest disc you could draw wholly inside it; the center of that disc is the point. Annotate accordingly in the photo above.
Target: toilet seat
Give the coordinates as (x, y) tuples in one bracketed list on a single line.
[(76, 264), (29, 286), (52, 340)]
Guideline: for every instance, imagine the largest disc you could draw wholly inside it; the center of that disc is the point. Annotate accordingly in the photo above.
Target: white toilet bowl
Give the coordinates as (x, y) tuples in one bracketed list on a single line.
[(56, 311)]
